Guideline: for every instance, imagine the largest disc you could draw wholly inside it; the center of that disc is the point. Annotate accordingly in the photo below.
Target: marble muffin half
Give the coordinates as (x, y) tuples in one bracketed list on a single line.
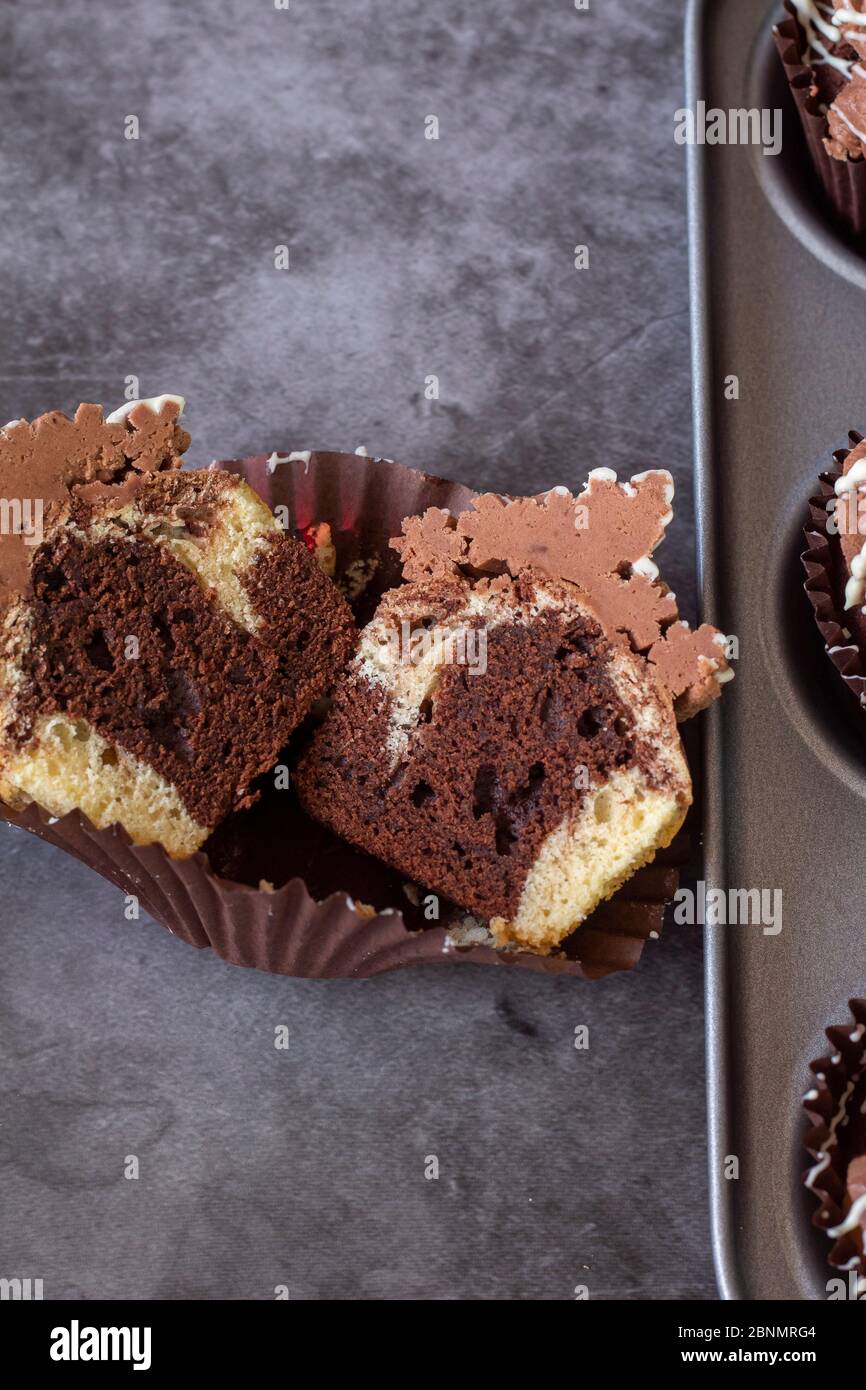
[(507, 732), (161, 636)]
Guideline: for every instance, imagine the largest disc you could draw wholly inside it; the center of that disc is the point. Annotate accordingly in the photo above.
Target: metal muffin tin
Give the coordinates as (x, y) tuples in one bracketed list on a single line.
[(778, 299)]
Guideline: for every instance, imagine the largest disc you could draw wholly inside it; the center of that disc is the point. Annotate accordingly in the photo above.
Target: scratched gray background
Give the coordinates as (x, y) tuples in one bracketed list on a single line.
[(408, 257)]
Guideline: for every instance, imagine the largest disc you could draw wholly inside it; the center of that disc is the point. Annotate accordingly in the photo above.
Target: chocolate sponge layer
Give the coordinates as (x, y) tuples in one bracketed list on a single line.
[(203, 702)]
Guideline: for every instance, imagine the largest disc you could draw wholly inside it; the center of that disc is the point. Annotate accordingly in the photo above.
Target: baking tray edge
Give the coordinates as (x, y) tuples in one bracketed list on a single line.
[(716, 969)]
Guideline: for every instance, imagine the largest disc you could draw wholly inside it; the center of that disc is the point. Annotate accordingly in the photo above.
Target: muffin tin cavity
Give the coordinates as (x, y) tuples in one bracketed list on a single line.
[(788, 179)]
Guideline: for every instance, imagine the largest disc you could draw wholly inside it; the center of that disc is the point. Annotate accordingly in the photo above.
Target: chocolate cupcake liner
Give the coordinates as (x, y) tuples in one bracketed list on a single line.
[(824, 566), (274, 890), (837, 1132), (843, 180)]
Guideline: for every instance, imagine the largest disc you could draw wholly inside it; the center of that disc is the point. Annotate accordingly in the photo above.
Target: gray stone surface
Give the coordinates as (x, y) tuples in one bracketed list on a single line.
[(409, 257)]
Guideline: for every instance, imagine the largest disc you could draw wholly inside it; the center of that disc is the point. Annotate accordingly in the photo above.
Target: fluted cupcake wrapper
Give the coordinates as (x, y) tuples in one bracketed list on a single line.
[(275, 891), (822, 562), (829, 1108), (844, 180)]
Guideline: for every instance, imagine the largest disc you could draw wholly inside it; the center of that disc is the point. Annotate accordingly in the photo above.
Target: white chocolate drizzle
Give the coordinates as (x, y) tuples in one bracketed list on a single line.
[(851, 126), (812, 19), (647, 567), (854, 478), (852, 1220), (855, 589), (154, 403), (298, 456)]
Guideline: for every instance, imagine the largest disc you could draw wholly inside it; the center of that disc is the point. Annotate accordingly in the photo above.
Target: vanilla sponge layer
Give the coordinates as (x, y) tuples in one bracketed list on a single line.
[(588, 857), (68, 766)]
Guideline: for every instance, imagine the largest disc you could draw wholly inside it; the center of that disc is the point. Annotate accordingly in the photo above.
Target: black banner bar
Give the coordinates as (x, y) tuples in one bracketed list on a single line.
[(142, 1338)]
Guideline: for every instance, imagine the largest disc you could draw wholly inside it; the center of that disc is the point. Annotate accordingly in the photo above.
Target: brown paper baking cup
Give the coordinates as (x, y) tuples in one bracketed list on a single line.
[(273, 889), (843, 180), (825, 582), (836, 1108)]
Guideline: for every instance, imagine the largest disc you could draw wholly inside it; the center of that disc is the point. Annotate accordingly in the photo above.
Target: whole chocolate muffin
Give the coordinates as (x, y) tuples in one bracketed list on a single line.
[(823, 49), (836, 1106), (835, 563)]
